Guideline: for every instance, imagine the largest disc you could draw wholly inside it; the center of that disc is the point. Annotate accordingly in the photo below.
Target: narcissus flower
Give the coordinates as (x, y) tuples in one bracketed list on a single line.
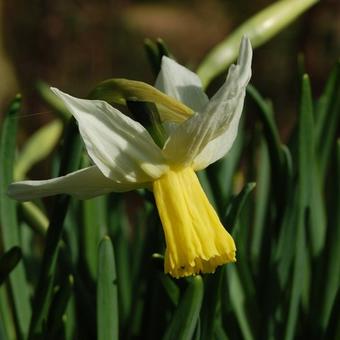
[(126, 157)]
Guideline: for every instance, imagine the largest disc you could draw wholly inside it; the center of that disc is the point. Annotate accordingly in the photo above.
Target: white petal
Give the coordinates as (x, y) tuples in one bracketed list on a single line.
[(180, 83), (208, 136), (83, 184), (122, 148), (217, 148)]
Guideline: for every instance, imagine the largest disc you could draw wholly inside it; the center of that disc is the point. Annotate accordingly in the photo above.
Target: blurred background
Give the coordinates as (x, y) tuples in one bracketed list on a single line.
[(75, 44)]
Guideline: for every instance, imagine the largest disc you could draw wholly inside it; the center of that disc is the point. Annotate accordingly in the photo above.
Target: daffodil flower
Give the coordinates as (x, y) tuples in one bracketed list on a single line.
[(126, 157)]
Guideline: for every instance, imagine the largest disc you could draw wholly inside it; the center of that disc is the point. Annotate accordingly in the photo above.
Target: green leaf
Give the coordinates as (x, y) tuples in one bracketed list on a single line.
[(327, 119), (211, 302), (7, 324), (298, 280), (8, 262), (118, 228), (271, 134), (163, 48), (262, 196), (70, 161), (94, 223), (241, 286), (306, 149), (155, 51), (71, 233), (70, 319), (235, 206), (206, 185), (219, 332), (331, 277), (259, 29), (238, 302), (288, 175), (171, 288), (58, 307), (9, 223), (185, 318), (107, 300), (304, 220), (333, 327), (37, 147), (310, 184), (283, 259), (153, 55)]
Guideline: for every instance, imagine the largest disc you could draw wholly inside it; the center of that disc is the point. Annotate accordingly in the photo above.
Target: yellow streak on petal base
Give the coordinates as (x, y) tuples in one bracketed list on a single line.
[(195, 238), (118, 91)]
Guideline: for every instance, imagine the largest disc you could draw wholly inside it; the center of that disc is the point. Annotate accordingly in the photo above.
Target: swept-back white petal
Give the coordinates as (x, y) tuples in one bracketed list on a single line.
[(85, 183), (208, 136), (180, 83), (122, 148), (216, 148)]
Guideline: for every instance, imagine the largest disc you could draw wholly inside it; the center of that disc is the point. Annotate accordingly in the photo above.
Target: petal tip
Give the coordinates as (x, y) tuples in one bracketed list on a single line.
[(56, 91), (245, 53), (62, 95), (17, 192), (166, 59)]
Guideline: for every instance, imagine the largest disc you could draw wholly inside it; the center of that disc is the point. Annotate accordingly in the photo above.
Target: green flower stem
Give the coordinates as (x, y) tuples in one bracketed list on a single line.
[(186, 316), (259, 29)]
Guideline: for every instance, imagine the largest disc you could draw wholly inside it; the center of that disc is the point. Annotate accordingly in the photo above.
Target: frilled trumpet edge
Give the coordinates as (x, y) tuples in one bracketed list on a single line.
[(196, 240)]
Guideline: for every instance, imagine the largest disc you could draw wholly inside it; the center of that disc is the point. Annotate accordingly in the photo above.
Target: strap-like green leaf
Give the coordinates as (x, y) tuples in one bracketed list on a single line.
[(331, 279), (107, 299), (308, 174), (304, 192), (70, 162), (185, 318), (235, 207), (61, 297), (9, 223), (94, 211), (238, 301), (262, 196), (155, 51), (8, 261), (211, 303), (327, 119)]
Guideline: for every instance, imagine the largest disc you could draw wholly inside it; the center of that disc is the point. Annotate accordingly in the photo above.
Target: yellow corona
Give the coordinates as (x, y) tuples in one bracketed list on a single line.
[(195, 238)]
